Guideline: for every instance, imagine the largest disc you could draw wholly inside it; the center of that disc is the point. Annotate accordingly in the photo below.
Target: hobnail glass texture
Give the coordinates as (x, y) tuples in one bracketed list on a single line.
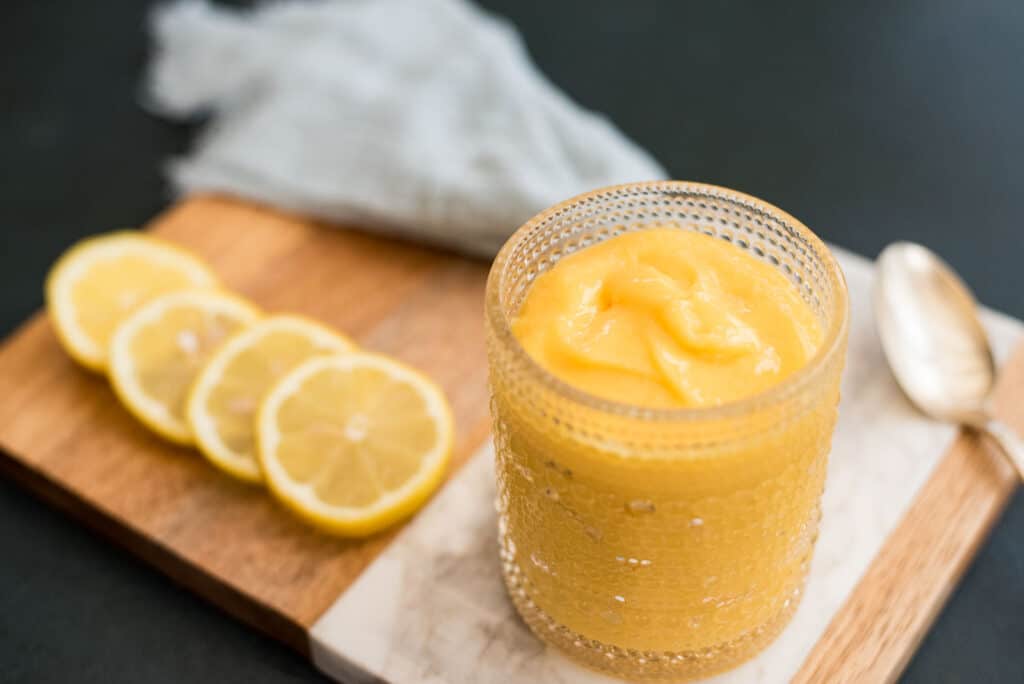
[(660, 544)]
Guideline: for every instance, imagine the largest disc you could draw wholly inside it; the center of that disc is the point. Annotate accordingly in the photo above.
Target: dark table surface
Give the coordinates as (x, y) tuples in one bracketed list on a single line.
[(870, 121)]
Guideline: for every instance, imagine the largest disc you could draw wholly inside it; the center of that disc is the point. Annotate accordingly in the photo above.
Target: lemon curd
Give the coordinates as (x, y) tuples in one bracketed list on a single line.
[(665, 363), (667, 318)]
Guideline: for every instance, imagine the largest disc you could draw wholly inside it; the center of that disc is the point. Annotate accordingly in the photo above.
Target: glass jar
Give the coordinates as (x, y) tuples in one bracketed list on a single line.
[(660, 544)]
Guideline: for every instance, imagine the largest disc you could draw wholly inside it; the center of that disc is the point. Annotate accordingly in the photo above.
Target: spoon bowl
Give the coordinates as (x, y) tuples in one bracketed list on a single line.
[(935, 344)]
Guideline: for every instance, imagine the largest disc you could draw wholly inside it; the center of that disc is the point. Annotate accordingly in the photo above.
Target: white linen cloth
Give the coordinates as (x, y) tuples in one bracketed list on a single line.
[(422, 117)]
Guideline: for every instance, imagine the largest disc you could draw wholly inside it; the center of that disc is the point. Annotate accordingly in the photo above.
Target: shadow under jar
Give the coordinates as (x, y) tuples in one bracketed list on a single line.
[(660, 544)]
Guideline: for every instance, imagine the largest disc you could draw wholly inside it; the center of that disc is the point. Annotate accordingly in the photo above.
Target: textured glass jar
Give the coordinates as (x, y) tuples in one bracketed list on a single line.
[(660, 544)]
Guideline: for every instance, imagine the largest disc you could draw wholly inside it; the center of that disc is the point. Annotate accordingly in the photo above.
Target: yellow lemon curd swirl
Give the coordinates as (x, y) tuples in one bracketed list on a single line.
[(667, 318)]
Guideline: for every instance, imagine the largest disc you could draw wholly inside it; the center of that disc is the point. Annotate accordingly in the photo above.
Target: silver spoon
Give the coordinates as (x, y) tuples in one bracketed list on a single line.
[(928, 322)]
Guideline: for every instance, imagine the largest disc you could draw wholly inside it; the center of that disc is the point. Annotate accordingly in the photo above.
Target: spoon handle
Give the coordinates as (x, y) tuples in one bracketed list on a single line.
[(1008, 441)]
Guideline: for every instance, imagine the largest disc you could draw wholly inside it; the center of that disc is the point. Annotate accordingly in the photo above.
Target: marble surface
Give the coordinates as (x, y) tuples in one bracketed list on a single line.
[(432, 609)]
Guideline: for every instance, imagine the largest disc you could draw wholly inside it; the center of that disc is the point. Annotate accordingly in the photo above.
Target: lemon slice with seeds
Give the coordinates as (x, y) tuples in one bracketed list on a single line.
[(100, 281), (354, 443), (222, 406), (156, 354)]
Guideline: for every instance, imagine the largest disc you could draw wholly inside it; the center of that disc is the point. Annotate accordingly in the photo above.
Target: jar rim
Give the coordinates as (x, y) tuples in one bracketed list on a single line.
[(499, 318)]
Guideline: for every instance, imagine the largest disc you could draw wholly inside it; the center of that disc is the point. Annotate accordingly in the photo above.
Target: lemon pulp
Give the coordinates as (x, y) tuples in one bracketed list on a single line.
[(354, 442), (102, 280), (222, 406), (157, 353)]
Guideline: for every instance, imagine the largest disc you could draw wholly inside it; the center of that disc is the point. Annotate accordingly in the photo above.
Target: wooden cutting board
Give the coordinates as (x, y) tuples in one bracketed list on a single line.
[(66, 438)]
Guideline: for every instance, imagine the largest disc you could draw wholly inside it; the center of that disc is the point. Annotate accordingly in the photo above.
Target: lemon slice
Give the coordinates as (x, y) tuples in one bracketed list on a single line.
[(156, 354), (222, 406), (100, 281), (354, 443)]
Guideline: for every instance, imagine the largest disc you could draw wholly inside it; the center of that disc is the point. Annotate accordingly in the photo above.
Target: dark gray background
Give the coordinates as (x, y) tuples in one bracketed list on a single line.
[(870, 121)]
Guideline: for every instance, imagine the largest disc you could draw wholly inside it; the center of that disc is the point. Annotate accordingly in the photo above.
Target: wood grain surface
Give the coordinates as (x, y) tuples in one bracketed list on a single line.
[(876, 632), (65, 436)]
